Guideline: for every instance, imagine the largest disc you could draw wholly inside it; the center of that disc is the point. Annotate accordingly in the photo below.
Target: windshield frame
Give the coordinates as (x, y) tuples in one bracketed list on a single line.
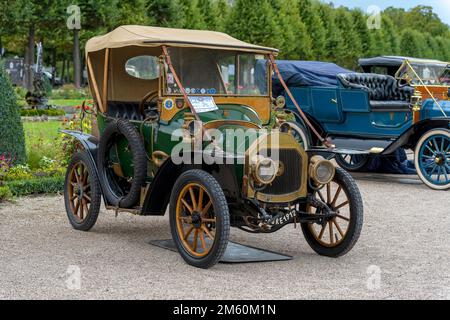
[(407, 65), (164, 71)]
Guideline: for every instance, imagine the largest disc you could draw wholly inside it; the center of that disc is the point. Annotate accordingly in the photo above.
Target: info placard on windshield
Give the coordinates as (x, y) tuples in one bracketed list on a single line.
[(203, 104)]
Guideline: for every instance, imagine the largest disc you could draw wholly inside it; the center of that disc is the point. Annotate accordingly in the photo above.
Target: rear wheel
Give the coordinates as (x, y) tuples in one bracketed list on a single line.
[(336, 236), (352, 162), (432, 159), (199, 219), (82, 195)]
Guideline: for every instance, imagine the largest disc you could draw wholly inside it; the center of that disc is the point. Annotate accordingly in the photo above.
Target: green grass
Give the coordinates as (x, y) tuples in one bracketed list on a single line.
[(41, 139), (58, 102)]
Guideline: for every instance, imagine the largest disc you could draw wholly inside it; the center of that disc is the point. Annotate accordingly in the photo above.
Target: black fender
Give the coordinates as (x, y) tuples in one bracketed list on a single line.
[(410, 137), (158, 195), (90, 144), (313, 140)]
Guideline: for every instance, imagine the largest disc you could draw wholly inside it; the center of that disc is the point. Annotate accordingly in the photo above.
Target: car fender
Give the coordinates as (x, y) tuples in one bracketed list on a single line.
[(410, 137), (158, 195)]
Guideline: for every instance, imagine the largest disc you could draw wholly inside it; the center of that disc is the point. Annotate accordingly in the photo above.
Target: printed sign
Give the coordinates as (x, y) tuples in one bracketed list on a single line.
[(203, 104)]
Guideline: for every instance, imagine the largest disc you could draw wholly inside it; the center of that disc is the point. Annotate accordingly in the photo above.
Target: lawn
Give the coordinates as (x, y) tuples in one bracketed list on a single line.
[(41, 139), (58, 102)]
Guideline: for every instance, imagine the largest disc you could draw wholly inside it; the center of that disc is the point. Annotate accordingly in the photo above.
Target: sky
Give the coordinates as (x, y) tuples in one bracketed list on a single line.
[(441, 7)]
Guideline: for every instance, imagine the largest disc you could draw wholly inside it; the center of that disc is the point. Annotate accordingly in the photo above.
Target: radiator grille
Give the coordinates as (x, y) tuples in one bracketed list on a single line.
[(291, 180)]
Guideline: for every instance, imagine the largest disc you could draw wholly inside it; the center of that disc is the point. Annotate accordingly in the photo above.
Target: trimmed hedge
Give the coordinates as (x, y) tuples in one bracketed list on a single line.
[(38, 113), (12, 142), (49, 185)]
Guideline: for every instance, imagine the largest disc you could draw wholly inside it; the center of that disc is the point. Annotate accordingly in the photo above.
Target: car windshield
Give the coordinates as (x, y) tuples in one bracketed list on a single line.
[(444, 78), (429, 73), (214, 72)]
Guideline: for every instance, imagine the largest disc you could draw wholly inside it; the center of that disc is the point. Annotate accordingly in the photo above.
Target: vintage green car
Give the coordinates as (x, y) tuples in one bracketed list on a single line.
[(181, 124)]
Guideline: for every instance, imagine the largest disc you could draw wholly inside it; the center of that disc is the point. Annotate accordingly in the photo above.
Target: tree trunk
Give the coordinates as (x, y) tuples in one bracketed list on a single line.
[(68, 74), (63, 71), (1, 47), (53, 67), (76, 59), (29, 60)]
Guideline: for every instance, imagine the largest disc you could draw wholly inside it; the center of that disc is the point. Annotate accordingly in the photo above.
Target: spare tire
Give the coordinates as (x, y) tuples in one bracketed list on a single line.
[(121, 191)]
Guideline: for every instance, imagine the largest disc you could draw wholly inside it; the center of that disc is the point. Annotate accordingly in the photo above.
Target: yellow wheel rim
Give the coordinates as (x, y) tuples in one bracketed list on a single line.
[(79, 191), (195, 219), (332, 232)]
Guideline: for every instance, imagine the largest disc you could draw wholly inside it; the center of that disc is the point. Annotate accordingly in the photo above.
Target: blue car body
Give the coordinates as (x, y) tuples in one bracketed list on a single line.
[(347, 115)]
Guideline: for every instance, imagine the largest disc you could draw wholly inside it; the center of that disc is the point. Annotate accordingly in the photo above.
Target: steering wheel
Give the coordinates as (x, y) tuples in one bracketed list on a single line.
[(148, 97)]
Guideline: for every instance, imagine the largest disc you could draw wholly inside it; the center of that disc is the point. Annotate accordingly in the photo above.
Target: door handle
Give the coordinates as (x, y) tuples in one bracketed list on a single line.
[(334, 101)]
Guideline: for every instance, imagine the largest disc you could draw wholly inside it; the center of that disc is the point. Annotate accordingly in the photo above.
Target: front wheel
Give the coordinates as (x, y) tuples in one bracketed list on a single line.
[(432, 159), (335, 236), (199, 219)]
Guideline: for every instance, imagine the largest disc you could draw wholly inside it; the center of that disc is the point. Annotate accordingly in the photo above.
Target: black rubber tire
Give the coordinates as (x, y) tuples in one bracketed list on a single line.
[(348, 184), (95, 195), (124, 128), (363, 160), (220, 205)]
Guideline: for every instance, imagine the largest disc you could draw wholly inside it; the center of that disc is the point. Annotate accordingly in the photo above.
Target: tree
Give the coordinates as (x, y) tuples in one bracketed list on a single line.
[(193, 18), (412, 44), (360, 27), (390, 35), (253, 21), (208, 11), (334, 48), (350, 38), (223, 11), (12, 143), (165, 13), (314, 25)]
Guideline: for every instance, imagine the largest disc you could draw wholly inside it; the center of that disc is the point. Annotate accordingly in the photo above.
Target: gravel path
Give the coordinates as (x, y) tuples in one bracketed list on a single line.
[(403, 253)]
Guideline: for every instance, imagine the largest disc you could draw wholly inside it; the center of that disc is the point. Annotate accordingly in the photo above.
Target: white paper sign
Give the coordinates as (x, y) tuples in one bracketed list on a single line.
[(203, 104)]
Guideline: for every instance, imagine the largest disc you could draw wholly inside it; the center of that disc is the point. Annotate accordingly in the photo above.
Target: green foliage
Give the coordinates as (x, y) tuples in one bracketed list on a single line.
[(70, 92), (5, 193), (12, 142), (48, 185), (308, 11), (35, 113), (349, 38)]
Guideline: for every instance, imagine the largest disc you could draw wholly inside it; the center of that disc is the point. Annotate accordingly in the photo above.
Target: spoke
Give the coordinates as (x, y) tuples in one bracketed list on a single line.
[(86, 210), (200, 200), (74, 184), (86, 187), (433, 152), (336, 196), (436, 145), (439, 174), (342, 217), (77, 207), (442, 145), (341, 205), (338, 228), (195, 240), (186, 219), (194, 201), (432, 171), (186, 205), (321, 196), (77, 177), (331, 232), (329, 192), (206, 208), (208, 233), (322, 231), (72, 197), (188, 232), (87, 197), (209, 220), (202, 240)]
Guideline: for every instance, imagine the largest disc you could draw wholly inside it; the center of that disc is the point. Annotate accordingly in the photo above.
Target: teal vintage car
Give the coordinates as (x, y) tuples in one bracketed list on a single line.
[(165, 101), (376, 114)]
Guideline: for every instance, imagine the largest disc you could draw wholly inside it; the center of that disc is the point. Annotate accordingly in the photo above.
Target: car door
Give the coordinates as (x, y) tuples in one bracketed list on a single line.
[(325, 105)]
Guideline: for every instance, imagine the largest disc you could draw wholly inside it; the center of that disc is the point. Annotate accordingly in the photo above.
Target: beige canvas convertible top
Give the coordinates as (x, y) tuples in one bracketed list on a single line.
[(133, 35)]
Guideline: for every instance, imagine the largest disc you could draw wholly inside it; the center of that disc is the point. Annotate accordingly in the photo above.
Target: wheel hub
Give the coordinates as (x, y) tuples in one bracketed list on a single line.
[(440, 160), (196, 220)]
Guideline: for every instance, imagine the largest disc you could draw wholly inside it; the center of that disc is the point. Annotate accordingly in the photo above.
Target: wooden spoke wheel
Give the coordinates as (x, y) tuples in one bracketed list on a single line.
[(82, 193), (199, 218), (336, 235)]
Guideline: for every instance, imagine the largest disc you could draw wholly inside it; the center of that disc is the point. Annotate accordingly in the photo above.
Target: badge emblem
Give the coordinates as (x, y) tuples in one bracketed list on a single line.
[(168, 104)]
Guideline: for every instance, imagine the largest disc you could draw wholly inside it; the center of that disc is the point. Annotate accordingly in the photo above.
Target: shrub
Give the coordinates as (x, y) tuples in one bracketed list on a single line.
[(12, 140), (5, 193), (70, 92), (49, 185), (36, 113)]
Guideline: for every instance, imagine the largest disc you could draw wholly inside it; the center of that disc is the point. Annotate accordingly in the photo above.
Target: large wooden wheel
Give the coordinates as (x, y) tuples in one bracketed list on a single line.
[(199, 218), (196, 221), (335, 235), (82, 193)]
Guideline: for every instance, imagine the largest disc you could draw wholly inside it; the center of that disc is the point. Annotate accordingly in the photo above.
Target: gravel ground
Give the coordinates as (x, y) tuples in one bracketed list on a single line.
[(405, 240)]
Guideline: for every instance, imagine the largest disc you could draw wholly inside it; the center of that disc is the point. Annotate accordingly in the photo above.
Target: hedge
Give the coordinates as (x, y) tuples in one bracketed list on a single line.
[(12, 142), (48, 185), (36, 113)]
